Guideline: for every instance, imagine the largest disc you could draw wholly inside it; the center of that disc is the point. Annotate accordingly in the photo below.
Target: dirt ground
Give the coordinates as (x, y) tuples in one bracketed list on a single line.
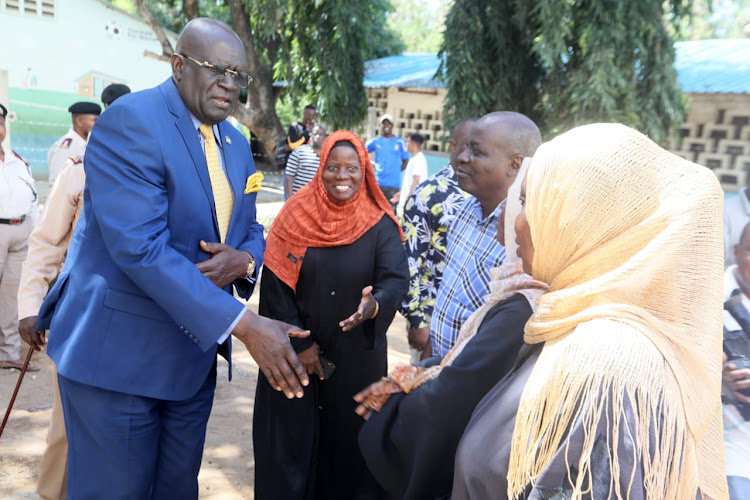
[(228, 466)]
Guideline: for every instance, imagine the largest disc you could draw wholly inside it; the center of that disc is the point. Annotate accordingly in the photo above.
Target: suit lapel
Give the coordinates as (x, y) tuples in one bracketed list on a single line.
[(190, 136)]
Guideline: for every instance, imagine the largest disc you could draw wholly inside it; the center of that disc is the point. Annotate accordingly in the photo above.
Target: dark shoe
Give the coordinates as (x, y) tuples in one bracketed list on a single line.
[(18, 363)]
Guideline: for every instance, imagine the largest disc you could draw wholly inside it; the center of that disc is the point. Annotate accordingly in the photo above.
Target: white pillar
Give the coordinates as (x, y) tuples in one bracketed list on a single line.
[(5, 101), (372, 119)]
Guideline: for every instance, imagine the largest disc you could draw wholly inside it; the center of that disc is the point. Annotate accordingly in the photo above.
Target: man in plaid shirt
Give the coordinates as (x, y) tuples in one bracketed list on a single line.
[(497, 145), (428, 214)]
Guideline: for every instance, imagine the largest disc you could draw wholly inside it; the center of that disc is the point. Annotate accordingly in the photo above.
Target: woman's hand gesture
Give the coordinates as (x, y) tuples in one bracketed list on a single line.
[(367, 309)]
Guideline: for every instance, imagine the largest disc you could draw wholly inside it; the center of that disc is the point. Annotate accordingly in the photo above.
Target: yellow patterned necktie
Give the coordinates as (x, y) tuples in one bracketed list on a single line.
[(222, 192)]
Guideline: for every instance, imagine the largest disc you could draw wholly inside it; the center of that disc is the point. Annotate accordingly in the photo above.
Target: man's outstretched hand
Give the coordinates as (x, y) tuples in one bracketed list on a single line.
[(267, 340)]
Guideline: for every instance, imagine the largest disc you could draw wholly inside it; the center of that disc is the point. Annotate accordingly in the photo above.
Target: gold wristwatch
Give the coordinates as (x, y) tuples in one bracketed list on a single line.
[(250, 266)]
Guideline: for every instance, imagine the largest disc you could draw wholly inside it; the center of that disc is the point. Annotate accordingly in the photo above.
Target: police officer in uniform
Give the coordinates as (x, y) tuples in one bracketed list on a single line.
[(73, 143), (48, 245), (18, 211)]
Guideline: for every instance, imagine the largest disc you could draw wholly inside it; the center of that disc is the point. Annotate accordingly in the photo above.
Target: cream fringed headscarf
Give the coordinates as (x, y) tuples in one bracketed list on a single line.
[(629, 238)]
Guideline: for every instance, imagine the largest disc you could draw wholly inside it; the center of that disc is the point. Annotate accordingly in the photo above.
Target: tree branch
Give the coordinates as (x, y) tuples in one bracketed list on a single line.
[(190, 9), (148, 16), (245, 32), (154, 55)]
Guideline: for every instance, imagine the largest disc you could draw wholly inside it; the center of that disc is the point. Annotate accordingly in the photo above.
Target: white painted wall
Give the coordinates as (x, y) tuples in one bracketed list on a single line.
[(80, 38)]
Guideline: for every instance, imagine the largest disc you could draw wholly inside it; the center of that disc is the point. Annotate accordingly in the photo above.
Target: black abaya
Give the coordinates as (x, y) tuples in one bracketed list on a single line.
[(411, 443), (307, 448)]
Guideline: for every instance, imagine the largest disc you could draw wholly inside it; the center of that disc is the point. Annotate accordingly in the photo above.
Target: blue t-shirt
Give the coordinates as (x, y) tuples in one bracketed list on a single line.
[(389, 153)]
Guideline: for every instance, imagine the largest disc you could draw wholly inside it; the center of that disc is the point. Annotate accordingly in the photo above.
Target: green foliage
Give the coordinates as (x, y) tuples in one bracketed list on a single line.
[(565, 62), (487, 60), (714, 19), (419, 23), (288, 110), (318, 47), (323, 51)]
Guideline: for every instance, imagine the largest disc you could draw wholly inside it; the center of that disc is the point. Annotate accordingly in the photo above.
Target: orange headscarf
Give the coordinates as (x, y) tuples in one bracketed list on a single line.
[(311, 218)]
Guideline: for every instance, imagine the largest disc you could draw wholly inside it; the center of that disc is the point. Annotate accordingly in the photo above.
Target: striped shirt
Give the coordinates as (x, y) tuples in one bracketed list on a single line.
[(472, 251), (302, 164)]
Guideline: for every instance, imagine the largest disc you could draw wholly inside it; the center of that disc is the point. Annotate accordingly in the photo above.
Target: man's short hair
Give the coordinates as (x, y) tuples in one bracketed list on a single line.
[(311, 107), (113, 92), (416, 138)]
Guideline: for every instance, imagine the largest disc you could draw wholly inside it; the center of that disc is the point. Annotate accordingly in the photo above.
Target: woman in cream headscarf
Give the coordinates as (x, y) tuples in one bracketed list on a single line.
[(409, 443), (618, 395)]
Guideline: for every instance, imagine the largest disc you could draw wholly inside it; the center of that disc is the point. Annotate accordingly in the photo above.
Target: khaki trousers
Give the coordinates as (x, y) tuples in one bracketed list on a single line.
[(53, 466), (14, 241)]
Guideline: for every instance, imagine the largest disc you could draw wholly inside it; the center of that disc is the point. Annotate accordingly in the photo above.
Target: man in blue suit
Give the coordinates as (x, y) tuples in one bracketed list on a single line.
[(144, 301)]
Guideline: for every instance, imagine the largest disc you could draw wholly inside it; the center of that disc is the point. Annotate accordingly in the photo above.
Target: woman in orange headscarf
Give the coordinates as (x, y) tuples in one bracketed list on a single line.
[(334, 265)]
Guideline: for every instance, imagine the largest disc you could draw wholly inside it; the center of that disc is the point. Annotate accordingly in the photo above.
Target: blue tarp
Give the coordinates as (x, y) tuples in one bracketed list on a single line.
[(703, 66), (714, 66)]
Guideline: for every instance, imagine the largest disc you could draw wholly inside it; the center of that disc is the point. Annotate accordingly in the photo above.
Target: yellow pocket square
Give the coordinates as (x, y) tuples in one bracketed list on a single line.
[(253, 183)]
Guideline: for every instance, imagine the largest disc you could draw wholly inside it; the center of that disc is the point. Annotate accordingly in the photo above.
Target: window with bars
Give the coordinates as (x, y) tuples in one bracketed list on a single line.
[(43, 8), (12, 6)]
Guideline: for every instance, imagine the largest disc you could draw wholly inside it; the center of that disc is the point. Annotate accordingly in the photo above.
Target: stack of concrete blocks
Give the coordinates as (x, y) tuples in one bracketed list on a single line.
[(413, 111), (716, 134)]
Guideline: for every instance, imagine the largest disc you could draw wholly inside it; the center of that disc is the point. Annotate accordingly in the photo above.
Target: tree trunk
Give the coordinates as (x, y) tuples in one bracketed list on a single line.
[(259, 114), (190, 9), (148, 16)]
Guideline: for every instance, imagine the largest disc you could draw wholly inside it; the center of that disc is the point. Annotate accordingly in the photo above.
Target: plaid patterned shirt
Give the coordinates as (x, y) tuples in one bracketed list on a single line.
[(428, 214), (472, 251)]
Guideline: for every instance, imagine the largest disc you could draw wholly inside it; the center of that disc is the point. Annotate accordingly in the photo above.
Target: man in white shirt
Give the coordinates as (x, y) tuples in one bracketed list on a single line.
[(18, 211), (415, 173)]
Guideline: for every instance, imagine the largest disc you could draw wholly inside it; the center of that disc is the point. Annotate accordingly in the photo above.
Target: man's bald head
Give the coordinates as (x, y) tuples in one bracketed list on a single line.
[(205, 49), (520, 135), (498, 142), (204, 30)]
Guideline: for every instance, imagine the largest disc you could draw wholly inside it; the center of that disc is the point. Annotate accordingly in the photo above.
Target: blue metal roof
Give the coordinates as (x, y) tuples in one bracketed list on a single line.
[(406, 70), (714, 66), (703, 66)]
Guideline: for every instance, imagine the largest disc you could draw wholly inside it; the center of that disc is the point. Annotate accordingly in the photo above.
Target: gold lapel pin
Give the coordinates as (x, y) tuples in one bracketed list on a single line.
[(227, 139)]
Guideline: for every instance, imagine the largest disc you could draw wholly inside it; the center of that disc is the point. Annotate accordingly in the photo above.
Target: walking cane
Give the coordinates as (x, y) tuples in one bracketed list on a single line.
[(15, 392)]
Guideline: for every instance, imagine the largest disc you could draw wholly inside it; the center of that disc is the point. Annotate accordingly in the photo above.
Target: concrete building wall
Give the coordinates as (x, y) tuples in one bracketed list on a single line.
[(717, 134), (414, 110), (62, 40)]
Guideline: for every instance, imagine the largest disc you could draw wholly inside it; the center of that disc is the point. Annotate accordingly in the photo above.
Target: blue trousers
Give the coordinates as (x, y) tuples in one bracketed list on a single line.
[(127, 446), (739, 488)]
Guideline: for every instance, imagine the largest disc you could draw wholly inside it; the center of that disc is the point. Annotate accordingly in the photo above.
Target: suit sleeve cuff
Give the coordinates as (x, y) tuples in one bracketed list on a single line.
[(228, 331)]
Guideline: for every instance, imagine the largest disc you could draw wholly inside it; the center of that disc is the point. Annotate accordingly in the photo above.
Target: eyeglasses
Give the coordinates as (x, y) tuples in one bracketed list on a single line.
[(242, 80)]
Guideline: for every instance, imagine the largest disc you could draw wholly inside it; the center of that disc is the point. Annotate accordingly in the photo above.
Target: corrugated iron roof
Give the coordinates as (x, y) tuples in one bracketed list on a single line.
[(714, 66), (703, 66), (407, 70)]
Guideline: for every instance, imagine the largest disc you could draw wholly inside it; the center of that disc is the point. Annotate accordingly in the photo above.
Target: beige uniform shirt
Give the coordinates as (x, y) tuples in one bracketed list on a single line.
[(49, 241), (71, 144)]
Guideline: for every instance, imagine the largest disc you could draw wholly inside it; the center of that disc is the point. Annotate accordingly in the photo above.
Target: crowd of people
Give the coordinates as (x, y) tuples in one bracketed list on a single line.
[(563, 303)]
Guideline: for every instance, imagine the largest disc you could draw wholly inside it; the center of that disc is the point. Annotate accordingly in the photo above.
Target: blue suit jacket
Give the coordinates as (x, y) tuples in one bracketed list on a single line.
[(130, 312)]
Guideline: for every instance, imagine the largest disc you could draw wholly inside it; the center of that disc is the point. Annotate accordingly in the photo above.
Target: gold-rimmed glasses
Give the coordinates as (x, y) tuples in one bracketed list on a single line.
[(242, 80)]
